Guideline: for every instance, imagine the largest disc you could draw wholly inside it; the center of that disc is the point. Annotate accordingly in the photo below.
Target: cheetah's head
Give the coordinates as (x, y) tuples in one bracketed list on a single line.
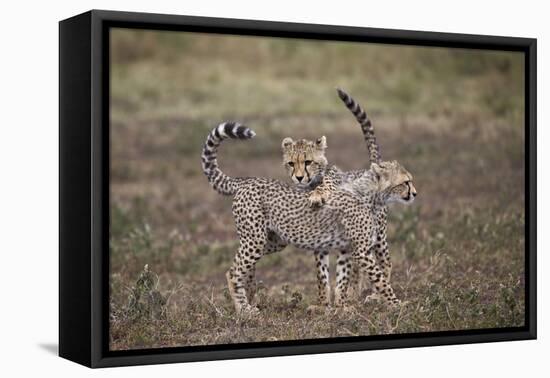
[(394, 182), (304, 159)]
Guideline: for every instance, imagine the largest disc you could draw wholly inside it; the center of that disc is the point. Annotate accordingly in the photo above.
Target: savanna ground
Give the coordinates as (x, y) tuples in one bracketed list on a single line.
[(454, 118)]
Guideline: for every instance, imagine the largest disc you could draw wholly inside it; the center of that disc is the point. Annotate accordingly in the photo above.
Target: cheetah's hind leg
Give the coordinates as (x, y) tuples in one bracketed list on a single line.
[(355, 286), (380, 250), (323, 279), (343, 270), (370, 269), (274, 244), (251, 285), (242, 272)]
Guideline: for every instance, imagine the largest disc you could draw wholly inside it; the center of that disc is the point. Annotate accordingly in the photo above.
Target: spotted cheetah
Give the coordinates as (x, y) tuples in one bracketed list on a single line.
[(305, 162), (380, 211), (269, 214)]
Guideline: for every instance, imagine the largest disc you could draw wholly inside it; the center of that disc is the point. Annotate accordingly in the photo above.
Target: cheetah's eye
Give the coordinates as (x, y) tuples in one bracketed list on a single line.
[(290, 164), (308, 162)]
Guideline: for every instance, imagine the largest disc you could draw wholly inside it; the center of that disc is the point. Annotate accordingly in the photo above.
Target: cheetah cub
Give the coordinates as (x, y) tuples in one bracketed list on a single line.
[(270, 214), (306, 164)]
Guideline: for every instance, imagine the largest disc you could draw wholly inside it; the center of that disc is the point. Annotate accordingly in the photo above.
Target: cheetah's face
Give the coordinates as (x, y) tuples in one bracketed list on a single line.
[(304, 159), (395, 182)]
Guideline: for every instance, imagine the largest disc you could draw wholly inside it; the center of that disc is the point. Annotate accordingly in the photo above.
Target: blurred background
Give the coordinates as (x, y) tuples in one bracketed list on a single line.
[(454, 118)]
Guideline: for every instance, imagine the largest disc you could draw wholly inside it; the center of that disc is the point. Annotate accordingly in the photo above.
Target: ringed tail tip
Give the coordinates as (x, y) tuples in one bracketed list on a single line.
[(234, 130), (343, 95)]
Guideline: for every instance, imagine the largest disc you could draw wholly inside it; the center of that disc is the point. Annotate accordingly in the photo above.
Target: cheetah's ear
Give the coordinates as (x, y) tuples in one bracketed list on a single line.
[(377, 169), (321, 143), (287, 142)]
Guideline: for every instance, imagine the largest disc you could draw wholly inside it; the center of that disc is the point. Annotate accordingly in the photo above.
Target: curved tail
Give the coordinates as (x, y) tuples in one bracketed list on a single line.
[(366, 125), (222, 183)]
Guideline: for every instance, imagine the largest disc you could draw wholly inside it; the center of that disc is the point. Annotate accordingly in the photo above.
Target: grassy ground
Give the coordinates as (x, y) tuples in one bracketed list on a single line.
[(452, 118)]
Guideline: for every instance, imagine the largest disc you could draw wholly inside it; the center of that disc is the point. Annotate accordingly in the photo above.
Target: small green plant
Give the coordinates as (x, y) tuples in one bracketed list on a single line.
[(145, 301)]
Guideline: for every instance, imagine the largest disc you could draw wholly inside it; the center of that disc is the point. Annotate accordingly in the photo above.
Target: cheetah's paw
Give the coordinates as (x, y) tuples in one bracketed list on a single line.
[(249, 311), (316, 199), (316, 309), (372, 298)]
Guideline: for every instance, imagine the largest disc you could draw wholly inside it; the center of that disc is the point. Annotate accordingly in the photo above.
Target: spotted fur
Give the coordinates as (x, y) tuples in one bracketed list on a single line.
[(270, 214), (296, 155), (306, 163)]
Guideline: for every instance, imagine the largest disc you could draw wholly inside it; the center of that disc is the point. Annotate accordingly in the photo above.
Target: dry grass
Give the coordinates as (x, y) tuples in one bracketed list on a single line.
[(453, 118)]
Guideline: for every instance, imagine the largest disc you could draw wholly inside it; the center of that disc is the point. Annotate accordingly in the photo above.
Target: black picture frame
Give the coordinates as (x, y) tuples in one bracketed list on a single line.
[(84, 187)]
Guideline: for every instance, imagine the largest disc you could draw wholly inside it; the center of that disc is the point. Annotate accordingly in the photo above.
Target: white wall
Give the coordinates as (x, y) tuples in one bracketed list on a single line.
[(28, 207)]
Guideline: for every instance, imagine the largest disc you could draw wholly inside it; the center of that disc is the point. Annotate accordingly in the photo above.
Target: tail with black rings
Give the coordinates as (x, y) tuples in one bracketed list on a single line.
[(366, 125), (221, 182)]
